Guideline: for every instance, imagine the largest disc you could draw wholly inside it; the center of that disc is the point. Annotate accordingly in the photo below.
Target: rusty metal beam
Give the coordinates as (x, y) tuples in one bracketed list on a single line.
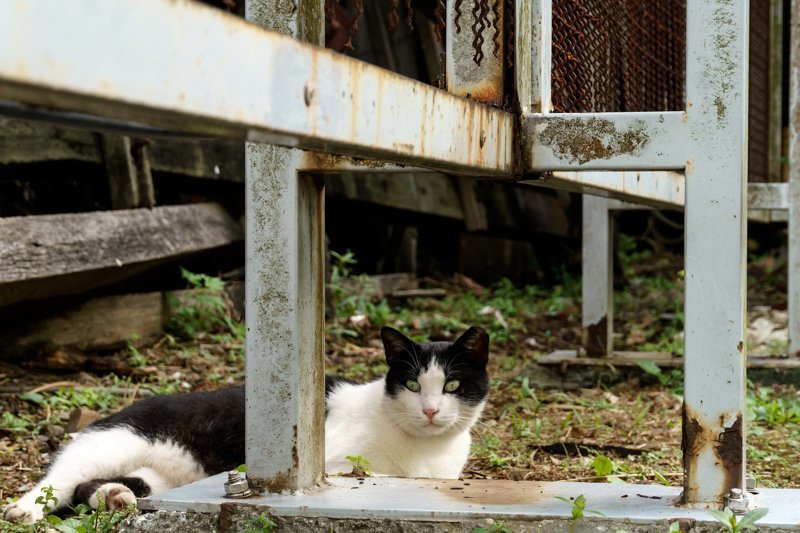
[(278, 90), (605, 141)]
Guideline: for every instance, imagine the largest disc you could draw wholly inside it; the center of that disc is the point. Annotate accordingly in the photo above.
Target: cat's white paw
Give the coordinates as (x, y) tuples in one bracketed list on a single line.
[(22, 513), (114, 495)]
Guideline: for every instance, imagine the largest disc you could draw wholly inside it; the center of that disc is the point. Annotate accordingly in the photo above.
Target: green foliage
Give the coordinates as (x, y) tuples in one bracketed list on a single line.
[(672, 379), (206, 311), (603, 466), (496, 527), (83, 520), (260, 524), (748, 521), (361, 467), (68, 398), (579, 509), (135, 357), (762, 406), (353, 295)]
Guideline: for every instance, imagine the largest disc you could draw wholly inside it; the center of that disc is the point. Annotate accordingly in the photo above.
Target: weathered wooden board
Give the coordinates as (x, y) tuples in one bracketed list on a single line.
[(106, 322), (55, 255), (429, 193), (22, 141)]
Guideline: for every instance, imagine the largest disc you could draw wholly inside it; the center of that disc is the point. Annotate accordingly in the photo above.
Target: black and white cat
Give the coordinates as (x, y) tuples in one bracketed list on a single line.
[(414, 422)]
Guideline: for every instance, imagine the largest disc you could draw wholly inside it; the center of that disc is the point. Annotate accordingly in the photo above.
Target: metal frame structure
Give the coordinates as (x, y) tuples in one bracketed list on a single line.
[(181, 68)]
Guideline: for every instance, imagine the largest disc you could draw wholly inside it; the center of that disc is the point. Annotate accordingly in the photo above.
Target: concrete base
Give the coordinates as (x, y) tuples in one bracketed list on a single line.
[(392, 504)]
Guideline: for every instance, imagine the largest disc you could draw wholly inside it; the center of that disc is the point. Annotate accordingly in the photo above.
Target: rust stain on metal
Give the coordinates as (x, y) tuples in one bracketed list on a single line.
[(595, 338), (318, 161), (727, 444), (582, 141), (494, 492)]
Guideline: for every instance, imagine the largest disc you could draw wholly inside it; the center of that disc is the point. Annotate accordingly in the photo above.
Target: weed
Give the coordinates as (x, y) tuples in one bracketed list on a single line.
[(361, 466), (732, 525), (260, 524), (603, 466), (135, 357), (578, 510), (206, 310), (670, 380), (496, 527)]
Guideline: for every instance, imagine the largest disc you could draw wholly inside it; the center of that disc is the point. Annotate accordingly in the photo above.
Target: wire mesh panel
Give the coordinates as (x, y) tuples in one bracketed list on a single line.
[(758, 162), (618, 55)]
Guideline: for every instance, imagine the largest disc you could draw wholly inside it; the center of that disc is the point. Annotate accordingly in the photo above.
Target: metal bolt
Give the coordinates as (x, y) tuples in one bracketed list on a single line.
[(737, 501), (751, 484), (236, 486)]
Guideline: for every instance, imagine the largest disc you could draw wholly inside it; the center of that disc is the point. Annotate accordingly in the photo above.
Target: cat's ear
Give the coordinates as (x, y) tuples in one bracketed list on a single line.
[(475, 343), (396, 345)]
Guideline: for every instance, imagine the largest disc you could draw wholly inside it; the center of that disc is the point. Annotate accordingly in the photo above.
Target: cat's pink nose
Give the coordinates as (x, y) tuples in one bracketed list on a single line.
[(430, 413)]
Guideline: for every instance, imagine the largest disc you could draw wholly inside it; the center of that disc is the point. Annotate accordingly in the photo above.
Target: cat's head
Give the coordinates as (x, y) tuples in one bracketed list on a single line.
[(436, 387)]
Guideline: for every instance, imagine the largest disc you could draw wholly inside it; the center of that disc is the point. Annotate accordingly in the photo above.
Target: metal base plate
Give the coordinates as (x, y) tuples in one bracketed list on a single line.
[(454, 500)]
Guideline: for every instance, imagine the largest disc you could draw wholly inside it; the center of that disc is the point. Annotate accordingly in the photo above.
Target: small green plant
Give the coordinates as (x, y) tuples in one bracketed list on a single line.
[(135, 357), (204, 311), (670, 380), (361, 467), (260, 524), (603, 466), (733, 525), (579, 509)]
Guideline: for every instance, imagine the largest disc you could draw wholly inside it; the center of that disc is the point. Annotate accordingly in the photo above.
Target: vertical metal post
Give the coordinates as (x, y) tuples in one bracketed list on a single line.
[(794, 182), (474, 63), (284, 294), (533, 44), (598, 277), (542, 34), (716, 229)]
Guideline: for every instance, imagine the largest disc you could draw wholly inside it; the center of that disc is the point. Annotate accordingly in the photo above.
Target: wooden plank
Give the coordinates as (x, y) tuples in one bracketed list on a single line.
[(429, 193), (222, 160), (106, 322), (54, 255), (23, 141)]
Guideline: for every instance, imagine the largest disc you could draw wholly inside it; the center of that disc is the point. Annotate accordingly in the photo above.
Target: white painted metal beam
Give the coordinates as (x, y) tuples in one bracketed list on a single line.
[(605, 141), (716, 234), (189, 68), (794, 182), (285, 235), (768, 196), (650, 188), (597, 298)]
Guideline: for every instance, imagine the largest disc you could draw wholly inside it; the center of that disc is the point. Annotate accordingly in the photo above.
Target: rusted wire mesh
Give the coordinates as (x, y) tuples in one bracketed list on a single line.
[(618, 55), (758, 157)]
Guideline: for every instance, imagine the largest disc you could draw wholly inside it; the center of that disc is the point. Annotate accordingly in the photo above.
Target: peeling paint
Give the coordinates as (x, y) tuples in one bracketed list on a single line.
[(582, 141)]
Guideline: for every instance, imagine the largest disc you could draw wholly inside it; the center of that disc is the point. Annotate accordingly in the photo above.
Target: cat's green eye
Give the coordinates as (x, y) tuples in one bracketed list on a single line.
[(412, 385), (451, 386)]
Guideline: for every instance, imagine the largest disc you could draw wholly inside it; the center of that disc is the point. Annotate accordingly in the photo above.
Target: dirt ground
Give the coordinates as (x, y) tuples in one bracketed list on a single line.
[(624, 432)]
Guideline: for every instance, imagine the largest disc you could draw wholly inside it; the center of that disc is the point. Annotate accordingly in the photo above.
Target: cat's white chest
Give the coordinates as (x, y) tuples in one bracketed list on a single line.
[(358, 424)]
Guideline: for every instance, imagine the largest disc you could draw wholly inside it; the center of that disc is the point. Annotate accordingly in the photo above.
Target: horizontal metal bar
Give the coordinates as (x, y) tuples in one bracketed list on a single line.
[(276, 90), (768, 196), (653, 188), (605, 141)]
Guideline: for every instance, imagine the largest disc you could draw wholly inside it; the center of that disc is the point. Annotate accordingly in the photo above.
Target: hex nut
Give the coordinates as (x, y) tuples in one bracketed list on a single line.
[(737, 501), (237, 486)]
